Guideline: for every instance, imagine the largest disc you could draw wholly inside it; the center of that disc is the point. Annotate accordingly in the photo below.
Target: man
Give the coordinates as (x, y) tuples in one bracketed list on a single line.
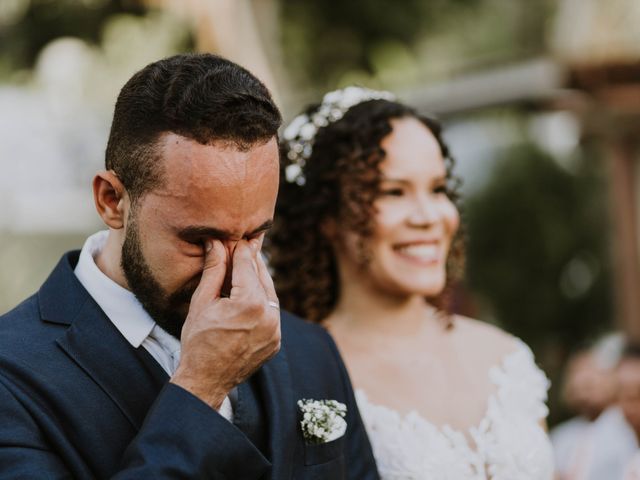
[(628, 376), (588, 390), (155, 351), (600, 442)]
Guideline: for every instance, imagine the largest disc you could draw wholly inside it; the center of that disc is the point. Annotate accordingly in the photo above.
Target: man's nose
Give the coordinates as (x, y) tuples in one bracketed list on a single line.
[(230, 247)]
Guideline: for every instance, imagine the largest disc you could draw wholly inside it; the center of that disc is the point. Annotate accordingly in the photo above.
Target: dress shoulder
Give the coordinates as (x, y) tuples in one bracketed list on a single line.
[(521, 385), (492, 336), (509, 442), (514, 370)]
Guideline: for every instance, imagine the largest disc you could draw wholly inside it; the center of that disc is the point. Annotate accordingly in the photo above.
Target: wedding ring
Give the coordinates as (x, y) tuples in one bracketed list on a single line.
[(274, 305)]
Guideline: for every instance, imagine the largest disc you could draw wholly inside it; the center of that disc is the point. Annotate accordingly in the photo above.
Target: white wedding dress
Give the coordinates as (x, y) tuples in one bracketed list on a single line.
[(508, 444)]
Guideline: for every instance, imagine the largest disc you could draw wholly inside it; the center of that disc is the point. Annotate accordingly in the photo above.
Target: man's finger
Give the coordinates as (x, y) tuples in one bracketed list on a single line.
[(265, 279), (245, 277), (213, 272)]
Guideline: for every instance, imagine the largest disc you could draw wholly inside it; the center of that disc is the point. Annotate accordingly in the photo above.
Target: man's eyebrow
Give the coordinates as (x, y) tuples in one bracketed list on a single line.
[(262, 228), (195, 231)]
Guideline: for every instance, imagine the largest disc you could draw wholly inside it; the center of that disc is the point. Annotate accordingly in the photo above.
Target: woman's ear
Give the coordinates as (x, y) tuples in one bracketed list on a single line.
[(111, 198)]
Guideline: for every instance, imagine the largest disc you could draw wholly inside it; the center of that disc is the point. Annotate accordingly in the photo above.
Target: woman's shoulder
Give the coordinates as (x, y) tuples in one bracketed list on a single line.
[(489, 339), (512, 365)]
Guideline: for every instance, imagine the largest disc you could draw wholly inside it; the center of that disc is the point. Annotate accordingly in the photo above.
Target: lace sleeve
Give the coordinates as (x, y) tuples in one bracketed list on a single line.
[(508, 443), (522, 385)]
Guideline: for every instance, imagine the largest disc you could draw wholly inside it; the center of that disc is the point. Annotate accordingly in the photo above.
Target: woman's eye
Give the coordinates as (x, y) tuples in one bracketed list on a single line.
[(392, 192), (442, 189)]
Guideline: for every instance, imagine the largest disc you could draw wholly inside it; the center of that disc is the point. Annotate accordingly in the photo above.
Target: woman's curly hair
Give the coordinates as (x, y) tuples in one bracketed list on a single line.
[(342, 178)]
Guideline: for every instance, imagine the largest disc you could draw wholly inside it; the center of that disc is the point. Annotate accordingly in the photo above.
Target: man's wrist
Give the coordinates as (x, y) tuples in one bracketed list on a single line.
[(212, 395)]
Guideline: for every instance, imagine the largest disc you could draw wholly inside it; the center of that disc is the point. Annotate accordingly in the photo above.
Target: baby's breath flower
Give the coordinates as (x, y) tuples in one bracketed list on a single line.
[(322, 420), (301, 132)]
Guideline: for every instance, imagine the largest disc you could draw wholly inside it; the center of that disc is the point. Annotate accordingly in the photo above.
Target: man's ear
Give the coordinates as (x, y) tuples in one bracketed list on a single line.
[(111, 198)]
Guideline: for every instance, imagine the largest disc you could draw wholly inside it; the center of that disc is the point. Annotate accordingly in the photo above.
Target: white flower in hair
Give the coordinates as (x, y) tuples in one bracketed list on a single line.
[(294, 127), (334, 97), (302, 131), (292, 174), (308, 131), (350, 97)]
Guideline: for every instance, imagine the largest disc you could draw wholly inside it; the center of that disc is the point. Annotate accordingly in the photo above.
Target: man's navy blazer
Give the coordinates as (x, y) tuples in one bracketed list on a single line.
[(78, 401)]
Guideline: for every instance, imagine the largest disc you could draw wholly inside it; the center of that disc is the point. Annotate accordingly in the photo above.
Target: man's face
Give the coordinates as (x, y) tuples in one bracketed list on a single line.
[(589, 388), (210, 191)]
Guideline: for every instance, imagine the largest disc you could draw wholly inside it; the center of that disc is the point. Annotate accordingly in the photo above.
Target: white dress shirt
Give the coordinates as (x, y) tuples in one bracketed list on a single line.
[(564, 438), (632, 472), (128, 315), (600, 450)]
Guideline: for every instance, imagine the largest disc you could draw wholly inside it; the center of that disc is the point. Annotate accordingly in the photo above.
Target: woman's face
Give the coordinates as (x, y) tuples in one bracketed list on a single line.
[(415, 220)]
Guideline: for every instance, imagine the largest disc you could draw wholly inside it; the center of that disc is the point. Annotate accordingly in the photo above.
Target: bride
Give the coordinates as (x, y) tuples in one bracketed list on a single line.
[(365, 243)]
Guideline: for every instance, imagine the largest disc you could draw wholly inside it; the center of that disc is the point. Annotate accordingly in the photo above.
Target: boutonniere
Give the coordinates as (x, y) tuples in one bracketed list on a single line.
[(322, 420)]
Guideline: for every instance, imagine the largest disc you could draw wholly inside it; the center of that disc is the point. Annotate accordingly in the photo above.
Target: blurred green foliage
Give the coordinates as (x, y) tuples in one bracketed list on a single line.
[(537, 247), (28, 25), (391, 44), (323, 41), (538, 256)]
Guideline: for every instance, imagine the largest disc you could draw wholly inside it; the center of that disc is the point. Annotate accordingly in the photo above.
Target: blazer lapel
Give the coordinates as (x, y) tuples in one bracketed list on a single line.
[(280, 405), (95, 344), (105, 355), (248, 414)]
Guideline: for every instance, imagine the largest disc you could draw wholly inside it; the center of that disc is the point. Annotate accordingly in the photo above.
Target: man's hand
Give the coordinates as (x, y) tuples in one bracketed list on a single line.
[(224, 340)]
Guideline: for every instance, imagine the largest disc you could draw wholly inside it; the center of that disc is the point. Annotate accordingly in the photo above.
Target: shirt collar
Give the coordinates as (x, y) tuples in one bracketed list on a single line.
[(119, 304)]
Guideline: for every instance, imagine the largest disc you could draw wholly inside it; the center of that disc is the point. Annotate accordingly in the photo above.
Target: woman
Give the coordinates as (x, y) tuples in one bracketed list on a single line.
[(365, 243)]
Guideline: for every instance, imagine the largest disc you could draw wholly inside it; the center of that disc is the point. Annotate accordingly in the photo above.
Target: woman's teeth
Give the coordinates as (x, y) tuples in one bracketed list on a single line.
[(420, 252)]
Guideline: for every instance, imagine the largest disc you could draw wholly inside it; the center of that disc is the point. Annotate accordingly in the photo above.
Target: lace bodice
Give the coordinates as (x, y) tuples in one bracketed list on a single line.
[(508, 443)]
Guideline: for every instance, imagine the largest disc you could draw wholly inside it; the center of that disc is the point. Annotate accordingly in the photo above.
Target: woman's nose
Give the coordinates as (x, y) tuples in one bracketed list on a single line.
[(424, 211)]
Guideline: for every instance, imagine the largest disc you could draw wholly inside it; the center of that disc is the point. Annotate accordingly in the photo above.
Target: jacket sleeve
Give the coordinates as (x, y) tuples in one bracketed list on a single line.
[(23, 450), (181, 437), (361, 464)]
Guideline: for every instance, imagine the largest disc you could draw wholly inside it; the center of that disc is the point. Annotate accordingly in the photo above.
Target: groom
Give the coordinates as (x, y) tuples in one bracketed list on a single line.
[(158, 350)]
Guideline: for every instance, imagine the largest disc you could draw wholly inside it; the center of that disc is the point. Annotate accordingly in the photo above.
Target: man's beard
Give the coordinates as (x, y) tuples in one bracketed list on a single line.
[(169, 310)]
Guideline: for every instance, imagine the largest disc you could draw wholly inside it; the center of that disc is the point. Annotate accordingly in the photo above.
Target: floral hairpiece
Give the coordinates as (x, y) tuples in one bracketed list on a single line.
[(301, 132)]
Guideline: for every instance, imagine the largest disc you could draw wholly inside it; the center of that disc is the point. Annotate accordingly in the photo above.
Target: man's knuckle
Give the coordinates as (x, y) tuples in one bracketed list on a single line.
[(276, 347), (253, 307)]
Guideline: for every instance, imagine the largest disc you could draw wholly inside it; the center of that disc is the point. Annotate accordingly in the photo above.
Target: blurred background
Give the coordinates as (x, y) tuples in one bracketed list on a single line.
[(541, 101)]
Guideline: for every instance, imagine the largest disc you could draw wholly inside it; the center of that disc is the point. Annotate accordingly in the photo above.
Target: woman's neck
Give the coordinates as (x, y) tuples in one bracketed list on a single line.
[(373, 312)]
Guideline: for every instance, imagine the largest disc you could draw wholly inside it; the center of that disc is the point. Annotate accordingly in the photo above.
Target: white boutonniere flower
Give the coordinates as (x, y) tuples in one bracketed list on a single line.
[(322, 420)]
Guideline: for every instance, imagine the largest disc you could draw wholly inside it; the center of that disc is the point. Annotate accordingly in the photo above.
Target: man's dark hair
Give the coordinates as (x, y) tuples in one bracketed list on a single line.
[(199, 96), (631, 350)]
